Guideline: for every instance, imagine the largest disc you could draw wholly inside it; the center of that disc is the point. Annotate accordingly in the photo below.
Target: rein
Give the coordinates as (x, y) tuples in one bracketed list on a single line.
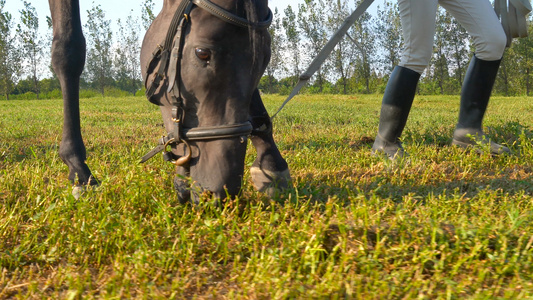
[(169, 57)]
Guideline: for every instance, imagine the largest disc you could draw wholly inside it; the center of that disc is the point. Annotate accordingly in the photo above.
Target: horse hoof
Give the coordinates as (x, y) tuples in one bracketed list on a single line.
[(79, 190), (183, 190), (270, 182)]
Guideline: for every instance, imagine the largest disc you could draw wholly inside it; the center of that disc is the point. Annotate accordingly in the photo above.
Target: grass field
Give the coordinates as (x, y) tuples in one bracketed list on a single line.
[(444, 224)]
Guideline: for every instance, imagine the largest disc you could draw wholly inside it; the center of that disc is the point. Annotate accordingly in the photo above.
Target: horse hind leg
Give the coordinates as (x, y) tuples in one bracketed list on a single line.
[(269, 172), (68, 59)]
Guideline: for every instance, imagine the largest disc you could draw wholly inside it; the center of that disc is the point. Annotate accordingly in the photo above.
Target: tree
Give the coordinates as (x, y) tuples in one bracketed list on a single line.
[(312, 21), (440, 61), (23, 86), (362, 38), (147, 14), (524, 56), (343, 54), (510, 80), (99, 62), (389, 34), (32, 44), (9, 56), (127, 64), (457, 46), (47, 85), (276, 45), (50, 84), (269, 84), (293, 42)]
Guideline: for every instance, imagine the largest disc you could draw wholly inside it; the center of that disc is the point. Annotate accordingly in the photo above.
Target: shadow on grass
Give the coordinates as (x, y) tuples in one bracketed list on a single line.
[(19, 153), (511, 182), (508, 133), (440, 136)]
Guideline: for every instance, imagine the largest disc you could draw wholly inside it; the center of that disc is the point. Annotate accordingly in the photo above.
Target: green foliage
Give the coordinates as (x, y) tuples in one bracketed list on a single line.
[(360, 63), (292, 34), (277, 45), (116, 93), (23, 86), (24, 96), (99, 63), (53, 94), (141, 92), (9, 54), (341, 59), (269, 84), (89, 93), (31, 45), (50, 84), (127, 53), (445, 224), (388, 31), (148, 15), (286, 84), (312, 23), (45, 86)]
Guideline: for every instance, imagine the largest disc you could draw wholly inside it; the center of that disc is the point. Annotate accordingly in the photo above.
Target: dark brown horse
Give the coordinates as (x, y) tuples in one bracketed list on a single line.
[(203, 60)]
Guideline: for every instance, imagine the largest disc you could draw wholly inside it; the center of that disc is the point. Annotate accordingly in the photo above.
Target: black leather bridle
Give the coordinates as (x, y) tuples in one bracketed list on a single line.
[(168, 56)]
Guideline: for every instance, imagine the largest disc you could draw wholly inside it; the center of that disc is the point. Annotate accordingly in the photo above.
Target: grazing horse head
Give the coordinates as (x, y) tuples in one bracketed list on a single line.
[(203, 73)]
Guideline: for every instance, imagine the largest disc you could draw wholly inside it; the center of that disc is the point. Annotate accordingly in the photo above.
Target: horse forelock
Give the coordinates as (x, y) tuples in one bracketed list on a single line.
[(256, 37), (254, 11)]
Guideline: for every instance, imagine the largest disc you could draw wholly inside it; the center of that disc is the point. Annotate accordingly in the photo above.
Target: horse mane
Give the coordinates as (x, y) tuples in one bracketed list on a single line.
[(256, 38)]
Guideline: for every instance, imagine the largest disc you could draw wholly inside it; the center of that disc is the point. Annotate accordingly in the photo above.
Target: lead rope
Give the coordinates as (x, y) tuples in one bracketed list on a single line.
[(513, 16), (325, 52)]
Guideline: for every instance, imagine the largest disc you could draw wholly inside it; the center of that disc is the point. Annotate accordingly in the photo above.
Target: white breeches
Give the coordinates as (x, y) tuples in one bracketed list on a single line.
[(418, 27)]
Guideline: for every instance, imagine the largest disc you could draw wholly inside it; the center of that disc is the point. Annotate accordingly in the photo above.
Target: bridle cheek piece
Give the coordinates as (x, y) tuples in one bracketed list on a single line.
[(169, 55)]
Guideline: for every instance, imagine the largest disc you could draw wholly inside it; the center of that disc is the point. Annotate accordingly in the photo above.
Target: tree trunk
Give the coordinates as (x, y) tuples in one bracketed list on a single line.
[(527, 82)]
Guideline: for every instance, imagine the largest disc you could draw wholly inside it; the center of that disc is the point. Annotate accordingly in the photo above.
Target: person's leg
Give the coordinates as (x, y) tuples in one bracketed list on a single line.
[(397, 101), (482, 24), (480, 21), (477, 87), (418, 29)]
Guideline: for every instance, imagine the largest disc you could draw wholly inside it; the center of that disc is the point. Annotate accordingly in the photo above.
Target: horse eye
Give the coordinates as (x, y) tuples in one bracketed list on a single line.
[(203, 54)]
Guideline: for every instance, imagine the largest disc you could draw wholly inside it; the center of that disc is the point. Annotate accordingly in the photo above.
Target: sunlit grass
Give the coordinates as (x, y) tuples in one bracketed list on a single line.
[(442, 224)]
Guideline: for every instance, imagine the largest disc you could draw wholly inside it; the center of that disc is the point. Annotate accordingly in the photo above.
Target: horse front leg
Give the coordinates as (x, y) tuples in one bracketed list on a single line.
[(68, 59), (270, 172)]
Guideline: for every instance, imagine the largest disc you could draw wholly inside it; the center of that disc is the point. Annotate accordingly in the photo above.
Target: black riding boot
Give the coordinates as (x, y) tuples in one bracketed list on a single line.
[(397, 101), (475, 94)]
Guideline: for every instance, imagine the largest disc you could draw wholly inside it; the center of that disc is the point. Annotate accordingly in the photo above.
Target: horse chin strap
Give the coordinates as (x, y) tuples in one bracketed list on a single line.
[(169, 63)]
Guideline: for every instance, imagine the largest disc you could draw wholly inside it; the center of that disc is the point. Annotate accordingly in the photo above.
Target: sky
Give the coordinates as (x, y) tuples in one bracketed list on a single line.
[(114, 9), (117, 9), (121, 9)]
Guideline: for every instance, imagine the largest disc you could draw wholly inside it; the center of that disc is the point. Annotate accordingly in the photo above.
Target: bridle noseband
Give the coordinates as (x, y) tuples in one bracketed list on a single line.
[(169, 57)]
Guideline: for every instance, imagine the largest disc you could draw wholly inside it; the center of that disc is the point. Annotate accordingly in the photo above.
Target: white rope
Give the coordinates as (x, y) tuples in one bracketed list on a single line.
[(513, 15), (324, 53)]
